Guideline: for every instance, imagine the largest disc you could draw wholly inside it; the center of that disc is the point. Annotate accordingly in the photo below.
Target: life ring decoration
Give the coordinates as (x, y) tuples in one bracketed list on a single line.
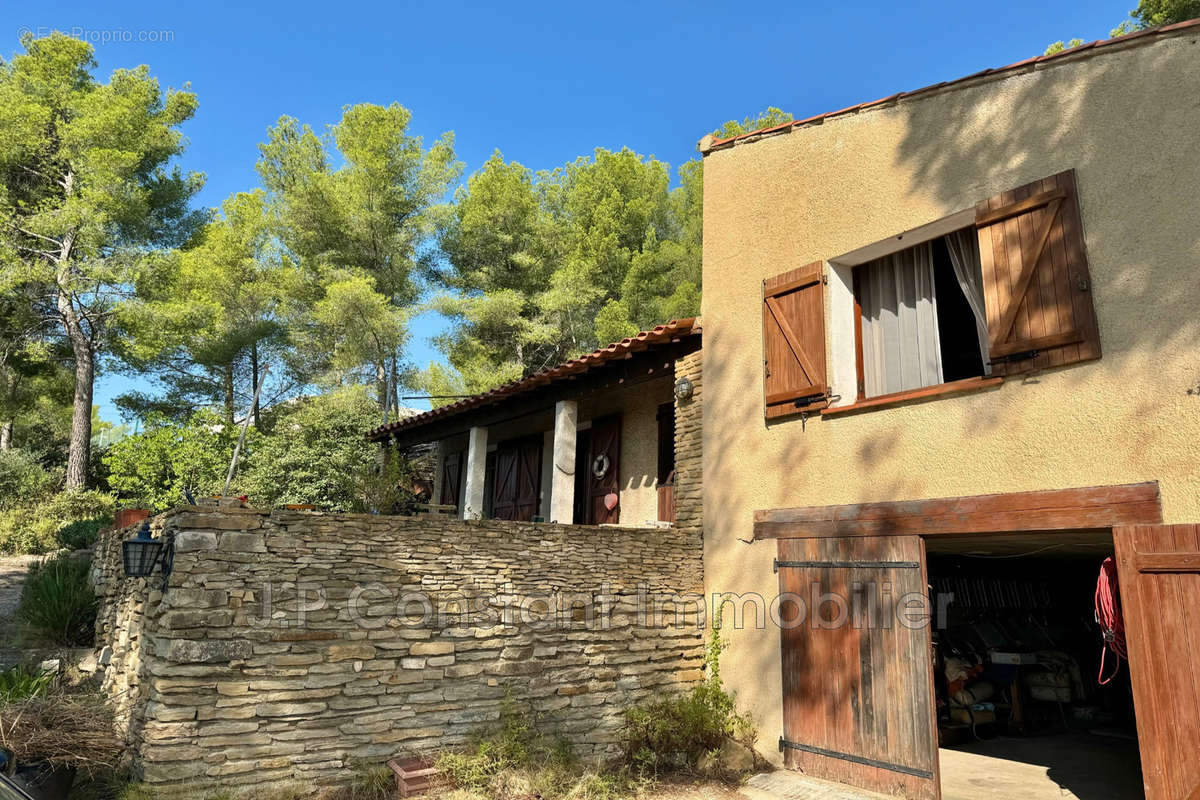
[(600, 465)]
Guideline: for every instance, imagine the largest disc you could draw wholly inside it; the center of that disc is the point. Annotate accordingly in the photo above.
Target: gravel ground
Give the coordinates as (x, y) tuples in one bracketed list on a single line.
[(12, 577)]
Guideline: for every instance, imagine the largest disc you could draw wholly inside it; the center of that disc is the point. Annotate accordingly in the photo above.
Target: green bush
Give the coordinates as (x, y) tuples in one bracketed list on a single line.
[(154, 468), (81, 533), (316, 453), (675, 733), (35, 528), (22, 479), (57, 603), (20, 682)]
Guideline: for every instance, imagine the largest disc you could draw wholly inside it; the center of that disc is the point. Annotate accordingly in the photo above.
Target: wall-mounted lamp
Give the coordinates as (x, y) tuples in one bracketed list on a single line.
[(684, 389), (142, 553)]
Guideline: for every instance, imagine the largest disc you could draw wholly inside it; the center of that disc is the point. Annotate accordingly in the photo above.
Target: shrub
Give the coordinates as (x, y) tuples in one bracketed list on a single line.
[(513, 743), (316, 453), (22, 479), (81, 533), (675, 733), (57, 604), (154, 468), (35, 528), (20, 683)]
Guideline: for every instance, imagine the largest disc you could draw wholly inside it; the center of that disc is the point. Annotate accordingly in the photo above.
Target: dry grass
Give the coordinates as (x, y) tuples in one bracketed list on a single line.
[(74, 730)]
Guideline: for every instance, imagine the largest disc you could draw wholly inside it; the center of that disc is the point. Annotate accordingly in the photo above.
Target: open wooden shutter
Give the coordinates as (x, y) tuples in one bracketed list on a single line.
[(857, 682), (794, 341), (1037, 289), (1158, 570)]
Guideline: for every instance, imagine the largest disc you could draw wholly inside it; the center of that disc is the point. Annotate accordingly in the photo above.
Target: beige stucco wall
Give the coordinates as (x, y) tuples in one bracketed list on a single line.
[(1128, 121)]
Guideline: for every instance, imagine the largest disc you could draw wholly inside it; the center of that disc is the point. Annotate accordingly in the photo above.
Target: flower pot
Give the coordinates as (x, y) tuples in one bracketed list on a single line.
[(124, 517)]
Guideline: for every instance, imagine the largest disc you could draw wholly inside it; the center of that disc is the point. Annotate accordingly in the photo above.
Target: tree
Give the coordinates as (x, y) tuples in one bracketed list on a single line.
[(373, 216), (87, 196), (156, 467), (1148, 14), (221, 317), (315, 452), (544, 266)]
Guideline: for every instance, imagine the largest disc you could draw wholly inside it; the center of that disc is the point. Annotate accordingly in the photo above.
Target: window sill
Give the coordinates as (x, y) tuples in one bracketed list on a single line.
[(915, 395)]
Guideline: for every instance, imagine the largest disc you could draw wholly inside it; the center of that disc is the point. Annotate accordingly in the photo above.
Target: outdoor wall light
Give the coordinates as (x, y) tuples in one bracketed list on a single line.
[(683, 389), (142, 553)]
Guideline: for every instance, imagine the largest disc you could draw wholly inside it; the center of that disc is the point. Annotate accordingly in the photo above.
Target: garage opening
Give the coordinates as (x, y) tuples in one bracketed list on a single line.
[(1020, 709)]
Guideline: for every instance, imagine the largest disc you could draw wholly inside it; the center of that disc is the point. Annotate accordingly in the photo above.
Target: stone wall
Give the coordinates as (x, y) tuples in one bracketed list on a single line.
[(289, 645), (689, 447)]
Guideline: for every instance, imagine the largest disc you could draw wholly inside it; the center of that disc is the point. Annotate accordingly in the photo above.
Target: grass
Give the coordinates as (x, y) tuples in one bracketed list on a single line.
[(21, 682)]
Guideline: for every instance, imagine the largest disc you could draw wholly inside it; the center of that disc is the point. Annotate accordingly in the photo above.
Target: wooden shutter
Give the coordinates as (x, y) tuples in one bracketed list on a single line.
[(529, 479), (504, 496), (1158, 570), (605, 440), (451, 479), (857, 685), (794, 341), (1037, 288)]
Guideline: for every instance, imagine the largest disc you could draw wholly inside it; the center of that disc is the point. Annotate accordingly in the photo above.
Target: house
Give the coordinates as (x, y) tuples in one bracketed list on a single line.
[(969, 317), (591, 441)]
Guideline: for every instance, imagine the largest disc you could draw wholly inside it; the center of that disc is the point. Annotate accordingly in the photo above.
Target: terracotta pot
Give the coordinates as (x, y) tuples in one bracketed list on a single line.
[(129, 516)]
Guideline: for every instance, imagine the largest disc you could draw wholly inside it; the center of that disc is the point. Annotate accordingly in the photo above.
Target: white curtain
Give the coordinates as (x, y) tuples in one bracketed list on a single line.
[(964, 255), (899, 322)]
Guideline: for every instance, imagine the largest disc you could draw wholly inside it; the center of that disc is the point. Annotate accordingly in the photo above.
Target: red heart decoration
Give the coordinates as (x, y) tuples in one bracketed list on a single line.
[(610, 500)]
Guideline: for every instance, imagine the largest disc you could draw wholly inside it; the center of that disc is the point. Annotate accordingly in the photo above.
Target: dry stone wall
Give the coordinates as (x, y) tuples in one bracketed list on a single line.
[(289, 645)]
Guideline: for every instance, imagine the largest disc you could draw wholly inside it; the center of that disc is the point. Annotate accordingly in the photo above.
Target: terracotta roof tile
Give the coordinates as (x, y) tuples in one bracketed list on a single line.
[(661, 335), (708, 146)]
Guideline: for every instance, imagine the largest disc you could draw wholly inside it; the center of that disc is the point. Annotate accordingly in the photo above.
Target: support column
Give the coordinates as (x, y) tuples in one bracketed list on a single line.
[(562, 481), (476, 469)]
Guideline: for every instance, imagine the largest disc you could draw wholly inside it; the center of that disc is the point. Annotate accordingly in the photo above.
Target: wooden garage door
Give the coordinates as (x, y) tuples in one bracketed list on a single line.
[(1158, 569), (857, 681)]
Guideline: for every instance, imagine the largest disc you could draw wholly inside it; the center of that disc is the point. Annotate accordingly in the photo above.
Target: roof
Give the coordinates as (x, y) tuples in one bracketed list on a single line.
[(663, 335), (708, 144)]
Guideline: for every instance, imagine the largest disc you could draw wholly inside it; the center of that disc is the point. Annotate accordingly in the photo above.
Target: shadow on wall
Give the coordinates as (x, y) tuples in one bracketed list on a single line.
[(1125, 121)]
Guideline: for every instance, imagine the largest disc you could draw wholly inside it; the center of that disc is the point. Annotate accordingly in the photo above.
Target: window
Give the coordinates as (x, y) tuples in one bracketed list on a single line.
[(999, 289), (921, 318)]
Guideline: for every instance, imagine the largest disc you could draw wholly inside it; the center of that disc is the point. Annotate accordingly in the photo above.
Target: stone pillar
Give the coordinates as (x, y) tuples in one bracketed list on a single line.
[(689, 447), (562, 480), (475, 470)]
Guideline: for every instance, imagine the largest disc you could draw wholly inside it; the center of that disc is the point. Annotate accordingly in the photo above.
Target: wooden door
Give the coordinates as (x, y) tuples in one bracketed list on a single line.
[(1158, 571), (857, 663), (451, 479), (604, 469), (516, 494)]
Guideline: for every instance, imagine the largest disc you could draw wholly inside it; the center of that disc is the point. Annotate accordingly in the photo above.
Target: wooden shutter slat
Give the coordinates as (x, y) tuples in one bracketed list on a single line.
[(794, 341), (1021, 206), (1035, 276)]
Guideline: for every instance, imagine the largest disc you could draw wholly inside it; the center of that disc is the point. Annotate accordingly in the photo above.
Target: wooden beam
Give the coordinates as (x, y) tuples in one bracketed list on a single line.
[(1054, 510)]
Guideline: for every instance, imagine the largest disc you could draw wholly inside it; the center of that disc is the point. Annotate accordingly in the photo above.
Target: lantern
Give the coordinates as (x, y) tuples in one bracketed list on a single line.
[(141, 553)]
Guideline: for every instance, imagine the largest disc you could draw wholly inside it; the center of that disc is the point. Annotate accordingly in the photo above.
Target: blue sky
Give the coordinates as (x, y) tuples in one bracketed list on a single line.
[(543, 82)]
